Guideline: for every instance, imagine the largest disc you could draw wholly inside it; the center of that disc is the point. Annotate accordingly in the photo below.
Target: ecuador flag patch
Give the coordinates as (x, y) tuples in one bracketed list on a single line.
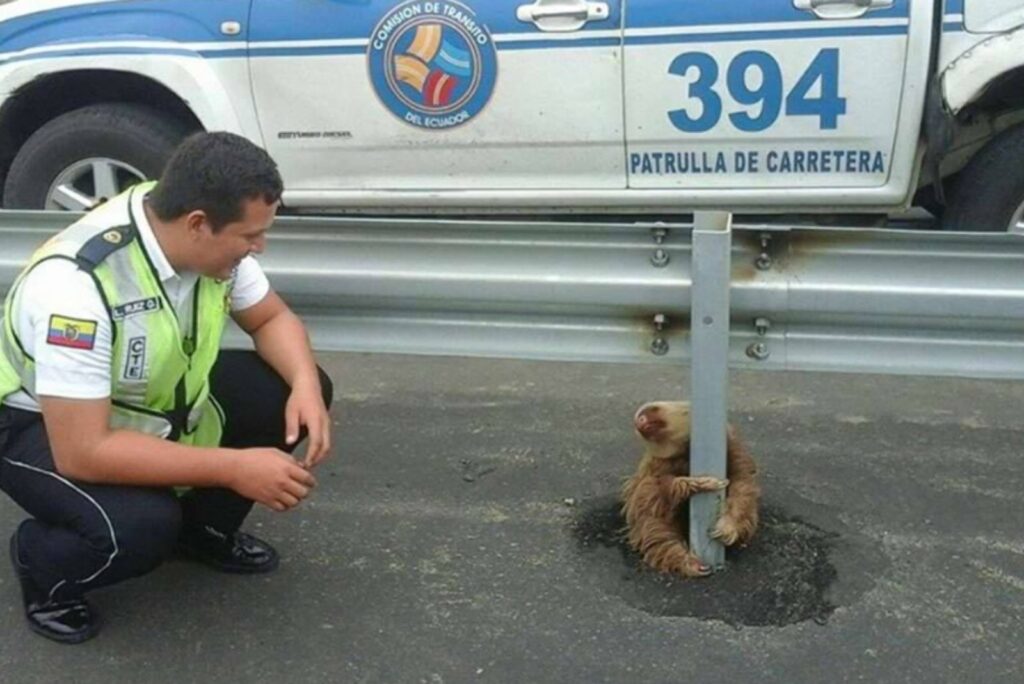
[(71, 332)]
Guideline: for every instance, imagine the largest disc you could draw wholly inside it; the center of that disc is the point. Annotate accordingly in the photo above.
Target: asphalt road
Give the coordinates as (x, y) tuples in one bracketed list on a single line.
[(465, 531)]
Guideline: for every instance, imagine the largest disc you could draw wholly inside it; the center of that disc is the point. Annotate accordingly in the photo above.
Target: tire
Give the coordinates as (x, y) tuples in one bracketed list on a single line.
[(135, 139), (990, 189)]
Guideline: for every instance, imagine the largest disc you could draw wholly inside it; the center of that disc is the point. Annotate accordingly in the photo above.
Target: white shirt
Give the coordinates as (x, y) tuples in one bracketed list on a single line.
[(58, 287)]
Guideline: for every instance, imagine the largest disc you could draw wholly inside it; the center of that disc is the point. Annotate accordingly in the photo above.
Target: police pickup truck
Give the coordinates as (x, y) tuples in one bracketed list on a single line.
[(531, 106)]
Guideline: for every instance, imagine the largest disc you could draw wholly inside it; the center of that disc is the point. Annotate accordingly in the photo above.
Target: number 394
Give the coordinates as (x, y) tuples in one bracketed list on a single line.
[(828, 106)]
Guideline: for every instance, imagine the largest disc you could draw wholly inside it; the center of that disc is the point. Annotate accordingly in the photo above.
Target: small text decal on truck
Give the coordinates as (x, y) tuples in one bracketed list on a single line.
[(781, 161)]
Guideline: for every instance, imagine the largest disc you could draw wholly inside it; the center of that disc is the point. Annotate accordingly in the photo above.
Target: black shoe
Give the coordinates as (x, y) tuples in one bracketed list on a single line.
[(238, 552), (69, 622)]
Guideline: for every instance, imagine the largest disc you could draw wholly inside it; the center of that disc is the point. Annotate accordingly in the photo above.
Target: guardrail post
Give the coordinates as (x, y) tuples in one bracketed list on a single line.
[(709, 376)]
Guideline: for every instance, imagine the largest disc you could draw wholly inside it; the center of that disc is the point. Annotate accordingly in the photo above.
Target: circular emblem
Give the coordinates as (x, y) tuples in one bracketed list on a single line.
[(432, 64), (113, 237)]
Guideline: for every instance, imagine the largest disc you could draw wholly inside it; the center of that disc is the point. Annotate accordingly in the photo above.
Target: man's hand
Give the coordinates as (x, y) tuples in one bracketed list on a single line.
[(305, 407), (270, 477), (281, 341)]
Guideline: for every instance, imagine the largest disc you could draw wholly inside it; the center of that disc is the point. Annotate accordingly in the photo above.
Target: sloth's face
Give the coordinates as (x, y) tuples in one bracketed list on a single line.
[(665, 423)]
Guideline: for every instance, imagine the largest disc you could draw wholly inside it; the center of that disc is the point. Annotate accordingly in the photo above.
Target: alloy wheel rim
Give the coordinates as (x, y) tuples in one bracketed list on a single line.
[(1017, 220), (90, 182)]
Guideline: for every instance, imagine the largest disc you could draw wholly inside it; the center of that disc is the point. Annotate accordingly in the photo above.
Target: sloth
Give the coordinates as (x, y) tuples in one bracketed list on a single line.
[(653, 498)]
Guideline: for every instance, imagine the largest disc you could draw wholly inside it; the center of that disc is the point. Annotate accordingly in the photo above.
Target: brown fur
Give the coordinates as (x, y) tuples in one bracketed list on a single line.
[(653, 496)]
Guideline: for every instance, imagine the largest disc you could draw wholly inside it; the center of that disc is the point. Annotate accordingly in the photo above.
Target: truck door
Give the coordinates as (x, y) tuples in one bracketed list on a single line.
[(783, 95), (362, 95)]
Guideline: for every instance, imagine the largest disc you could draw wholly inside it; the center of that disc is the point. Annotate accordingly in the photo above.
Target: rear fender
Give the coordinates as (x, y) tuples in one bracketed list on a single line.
[(969, 75)]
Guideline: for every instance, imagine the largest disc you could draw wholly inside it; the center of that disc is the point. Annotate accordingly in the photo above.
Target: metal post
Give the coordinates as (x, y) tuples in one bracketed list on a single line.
[(709, 377)]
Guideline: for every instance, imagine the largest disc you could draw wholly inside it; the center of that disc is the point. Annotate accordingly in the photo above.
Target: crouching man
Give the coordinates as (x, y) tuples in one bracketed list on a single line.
[(124, 433)]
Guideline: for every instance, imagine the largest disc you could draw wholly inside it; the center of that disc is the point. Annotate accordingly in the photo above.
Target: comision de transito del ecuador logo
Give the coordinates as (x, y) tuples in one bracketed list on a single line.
[(432, 63)]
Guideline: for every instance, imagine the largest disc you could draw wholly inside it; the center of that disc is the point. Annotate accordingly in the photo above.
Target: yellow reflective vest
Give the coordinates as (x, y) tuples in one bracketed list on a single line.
[(159, 375)]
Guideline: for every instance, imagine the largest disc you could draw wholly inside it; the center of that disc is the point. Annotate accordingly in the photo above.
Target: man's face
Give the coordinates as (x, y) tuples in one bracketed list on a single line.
[(217, 254)]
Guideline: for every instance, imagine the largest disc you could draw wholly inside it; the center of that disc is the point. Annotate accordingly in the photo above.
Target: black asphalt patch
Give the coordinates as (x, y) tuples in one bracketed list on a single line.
[(787, 574)]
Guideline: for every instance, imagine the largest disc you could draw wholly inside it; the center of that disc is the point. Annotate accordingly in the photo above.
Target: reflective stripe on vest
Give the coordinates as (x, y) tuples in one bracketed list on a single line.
[(160, 375)]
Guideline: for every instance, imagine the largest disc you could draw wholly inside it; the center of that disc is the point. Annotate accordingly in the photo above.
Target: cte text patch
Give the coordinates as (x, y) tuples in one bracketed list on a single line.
[(135, 367), (71, 332)]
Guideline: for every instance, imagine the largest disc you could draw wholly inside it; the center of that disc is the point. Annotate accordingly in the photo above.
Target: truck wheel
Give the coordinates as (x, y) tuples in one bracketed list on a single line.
[(989, 192), (89, 155)]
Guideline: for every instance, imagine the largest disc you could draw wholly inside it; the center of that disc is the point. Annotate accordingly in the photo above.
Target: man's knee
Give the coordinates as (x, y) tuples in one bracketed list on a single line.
[(148, 536)]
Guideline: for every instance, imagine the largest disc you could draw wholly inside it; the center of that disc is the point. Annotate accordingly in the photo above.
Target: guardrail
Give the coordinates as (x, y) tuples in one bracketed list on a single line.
[(857, 300), (915, 302)]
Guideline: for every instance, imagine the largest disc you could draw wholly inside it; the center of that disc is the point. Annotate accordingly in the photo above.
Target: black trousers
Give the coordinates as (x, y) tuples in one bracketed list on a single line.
[(83, 536)]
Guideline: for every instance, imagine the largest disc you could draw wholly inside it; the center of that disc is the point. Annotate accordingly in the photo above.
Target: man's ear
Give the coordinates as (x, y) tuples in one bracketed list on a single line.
[(197, 223)]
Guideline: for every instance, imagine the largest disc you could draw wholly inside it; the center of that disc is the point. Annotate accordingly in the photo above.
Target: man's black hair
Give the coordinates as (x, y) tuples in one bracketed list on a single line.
[(215, 172)]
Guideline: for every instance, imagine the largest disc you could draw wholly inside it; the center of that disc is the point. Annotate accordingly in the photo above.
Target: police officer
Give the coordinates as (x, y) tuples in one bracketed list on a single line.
[(123, 434)]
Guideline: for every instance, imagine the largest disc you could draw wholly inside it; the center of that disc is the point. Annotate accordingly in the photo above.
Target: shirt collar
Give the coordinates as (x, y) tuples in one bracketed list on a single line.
[(149, 241)]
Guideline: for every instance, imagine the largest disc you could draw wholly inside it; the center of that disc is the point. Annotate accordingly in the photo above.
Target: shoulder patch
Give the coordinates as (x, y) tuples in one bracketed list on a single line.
[(76, 333), (99, 247)]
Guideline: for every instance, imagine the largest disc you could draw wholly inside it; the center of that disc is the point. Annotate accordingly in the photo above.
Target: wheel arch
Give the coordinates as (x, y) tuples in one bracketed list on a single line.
[(975, 98), (994, 68), (39, 95)]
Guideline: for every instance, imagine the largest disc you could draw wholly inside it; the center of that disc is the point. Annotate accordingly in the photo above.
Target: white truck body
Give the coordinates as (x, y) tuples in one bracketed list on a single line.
[(540, 105)]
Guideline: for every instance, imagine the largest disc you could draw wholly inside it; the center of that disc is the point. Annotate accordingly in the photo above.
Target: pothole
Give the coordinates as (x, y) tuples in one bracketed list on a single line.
[(793, 570)]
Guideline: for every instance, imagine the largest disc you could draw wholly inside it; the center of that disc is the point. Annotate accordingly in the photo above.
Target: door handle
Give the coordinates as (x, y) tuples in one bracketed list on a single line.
[(562, 15), (841, 9)]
